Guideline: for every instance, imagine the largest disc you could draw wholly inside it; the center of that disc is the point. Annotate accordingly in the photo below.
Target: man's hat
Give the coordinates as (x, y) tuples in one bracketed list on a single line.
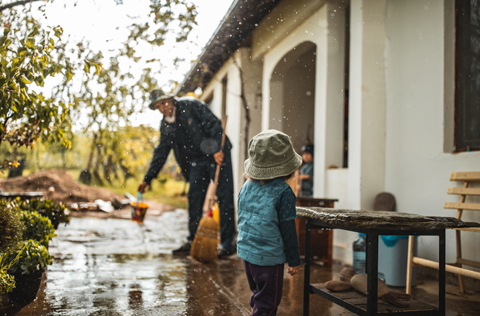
[(157, 95)]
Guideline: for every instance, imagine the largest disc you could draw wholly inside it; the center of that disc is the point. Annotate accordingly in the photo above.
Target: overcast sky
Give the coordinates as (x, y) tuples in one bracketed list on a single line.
[(103, 23)]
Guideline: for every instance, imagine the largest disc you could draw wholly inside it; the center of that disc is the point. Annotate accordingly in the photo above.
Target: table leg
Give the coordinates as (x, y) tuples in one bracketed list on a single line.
[(372, 272), (441, 273), (306, 282)]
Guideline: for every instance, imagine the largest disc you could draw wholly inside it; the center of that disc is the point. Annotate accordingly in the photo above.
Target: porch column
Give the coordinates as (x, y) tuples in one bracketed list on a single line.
[(366, 156), (329, 94)]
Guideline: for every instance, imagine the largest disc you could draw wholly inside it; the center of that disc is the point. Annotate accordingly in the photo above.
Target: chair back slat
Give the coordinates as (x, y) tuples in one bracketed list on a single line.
[(465, 176), (464, 191), (462, 206)]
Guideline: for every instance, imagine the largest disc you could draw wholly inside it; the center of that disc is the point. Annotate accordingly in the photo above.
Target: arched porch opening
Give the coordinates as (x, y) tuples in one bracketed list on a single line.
[(292, 94)]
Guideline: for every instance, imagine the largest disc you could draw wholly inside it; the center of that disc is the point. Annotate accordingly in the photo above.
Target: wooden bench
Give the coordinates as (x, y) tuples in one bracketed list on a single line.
[(457, 266)]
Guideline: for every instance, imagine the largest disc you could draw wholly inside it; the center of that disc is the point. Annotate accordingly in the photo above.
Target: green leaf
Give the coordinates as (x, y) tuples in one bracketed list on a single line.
[(68, 74), (25, 80), (30, 42), (39, 81)]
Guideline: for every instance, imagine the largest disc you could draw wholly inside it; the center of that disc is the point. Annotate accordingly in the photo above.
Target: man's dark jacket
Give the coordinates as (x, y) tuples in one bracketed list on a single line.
[(194, 125)]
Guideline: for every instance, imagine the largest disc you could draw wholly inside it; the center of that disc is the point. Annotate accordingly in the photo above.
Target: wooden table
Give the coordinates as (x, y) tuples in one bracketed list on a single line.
[(323, 239), (373, 224)]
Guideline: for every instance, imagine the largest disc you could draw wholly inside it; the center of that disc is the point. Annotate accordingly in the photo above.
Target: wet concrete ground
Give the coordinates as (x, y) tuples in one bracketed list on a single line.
[(114, 266)]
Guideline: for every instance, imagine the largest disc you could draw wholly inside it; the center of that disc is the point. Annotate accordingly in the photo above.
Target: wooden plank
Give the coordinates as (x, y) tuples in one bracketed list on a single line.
[(463, 191), (415, 306), (465, 176), (469, 229), (462, 206), (360, 300), (344, 295), (408, 287), (467, 262), (448, 268)]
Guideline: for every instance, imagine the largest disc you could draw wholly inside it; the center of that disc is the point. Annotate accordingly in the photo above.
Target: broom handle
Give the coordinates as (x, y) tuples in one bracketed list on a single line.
[(217, 173)]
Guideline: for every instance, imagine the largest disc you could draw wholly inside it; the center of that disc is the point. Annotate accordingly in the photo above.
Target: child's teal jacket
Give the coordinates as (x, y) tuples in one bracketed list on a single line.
[(261, 207)]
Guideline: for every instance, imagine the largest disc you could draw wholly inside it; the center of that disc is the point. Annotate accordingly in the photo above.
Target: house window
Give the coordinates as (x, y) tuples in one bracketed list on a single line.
[(467, 76)]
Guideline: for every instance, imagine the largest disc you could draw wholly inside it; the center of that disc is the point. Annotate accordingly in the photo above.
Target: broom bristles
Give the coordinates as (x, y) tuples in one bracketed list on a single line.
[(204, 246)]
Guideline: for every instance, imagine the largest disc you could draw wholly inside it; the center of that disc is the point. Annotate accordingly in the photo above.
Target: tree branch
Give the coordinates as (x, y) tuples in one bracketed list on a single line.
[(14, 4)]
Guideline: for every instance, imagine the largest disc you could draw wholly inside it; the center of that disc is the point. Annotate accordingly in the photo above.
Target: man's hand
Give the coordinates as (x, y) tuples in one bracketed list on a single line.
[(141, 187), (218, 156), (303, 177), (293, 270)]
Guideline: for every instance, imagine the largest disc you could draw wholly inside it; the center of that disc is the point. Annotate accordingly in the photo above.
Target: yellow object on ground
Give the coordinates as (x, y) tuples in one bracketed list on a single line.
[(139, 209)]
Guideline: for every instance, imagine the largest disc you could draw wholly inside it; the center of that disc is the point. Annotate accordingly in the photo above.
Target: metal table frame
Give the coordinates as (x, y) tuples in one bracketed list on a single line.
[(372, 269)]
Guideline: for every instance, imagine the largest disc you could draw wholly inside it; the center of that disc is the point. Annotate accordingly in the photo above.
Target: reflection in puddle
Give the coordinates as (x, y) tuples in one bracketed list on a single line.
[(123, 268)]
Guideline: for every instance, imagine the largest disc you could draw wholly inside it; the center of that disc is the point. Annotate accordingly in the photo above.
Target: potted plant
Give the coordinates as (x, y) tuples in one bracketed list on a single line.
[(58, 213), (7, 282), (11, 226), (37, 227), (26, 265), (11, 231)]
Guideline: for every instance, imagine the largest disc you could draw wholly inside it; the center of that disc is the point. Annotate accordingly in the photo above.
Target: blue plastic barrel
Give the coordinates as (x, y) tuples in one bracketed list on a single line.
[(392, 259)]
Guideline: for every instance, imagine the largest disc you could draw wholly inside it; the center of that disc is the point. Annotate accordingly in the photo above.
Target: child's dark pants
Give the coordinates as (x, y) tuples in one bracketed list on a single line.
[(266, 284)]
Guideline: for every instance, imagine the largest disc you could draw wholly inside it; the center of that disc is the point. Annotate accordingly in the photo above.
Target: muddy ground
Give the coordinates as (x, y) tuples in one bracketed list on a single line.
[(67, 190)]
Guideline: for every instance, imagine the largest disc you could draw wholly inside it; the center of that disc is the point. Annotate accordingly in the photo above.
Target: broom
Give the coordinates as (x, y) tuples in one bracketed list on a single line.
[(204, 246)]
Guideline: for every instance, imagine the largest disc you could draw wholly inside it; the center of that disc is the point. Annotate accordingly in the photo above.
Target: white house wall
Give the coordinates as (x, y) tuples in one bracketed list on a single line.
[(325, 29), (401, 106), (417, 168), (252, 72)]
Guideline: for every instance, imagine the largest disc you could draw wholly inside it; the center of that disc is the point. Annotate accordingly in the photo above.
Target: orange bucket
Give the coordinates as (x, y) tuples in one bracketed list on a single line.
[(139, 209)]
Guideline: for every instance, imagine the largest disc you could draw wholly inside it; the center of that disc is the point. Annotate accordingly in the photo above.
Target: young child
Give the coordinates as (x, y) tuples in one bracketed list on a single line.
[(267, 237), (306, 172)]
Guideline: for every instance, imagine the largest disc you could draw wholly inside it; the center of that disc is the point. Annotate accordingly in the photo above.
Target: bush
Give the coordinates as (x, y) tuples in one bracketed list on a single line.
[(32, 257), (11, 226), (57, 212), (37, 227), (7, 282)]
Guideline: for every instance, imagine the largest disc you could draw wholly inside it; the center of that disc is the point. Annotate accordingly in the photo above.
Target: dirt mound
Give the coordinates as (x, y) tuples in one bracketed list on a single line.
[(66, 189)]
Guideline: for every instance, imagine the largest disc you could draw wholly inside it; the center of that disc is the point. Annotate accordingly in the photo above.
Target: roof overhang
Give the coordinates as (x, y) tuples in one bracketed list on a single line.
[(241, 19)]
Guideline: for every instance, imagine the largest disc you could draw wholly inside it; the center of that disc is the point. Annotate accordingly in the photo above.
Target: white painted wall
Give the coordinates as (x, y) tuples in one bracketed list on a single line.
[(325, 29), (366, 155), (252, 72), (252, 84), (417, 168), (292, 94), (401, 101)]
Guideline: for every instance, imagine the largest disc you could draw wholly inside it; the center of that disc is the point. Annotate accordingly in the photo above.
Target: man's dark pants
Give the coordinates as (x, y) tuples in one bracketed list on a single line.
[(200, 174), (266, 284)]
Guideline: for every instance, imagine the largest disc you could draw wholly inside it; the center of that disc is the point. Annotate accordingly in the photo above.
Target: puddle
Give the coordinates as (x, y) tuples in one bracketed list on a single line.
[(118, 267)]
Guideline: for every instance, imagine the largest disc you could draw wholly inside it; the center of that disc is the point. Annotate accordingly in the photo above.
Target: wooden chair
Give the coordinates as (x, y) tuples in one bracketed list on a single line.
[(457, 267)]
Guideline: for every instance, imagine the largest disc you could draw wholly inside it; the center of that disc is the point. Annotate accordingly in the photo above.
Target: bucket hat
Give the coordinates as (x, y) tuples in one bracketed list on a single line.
[(308, 149), (157, 95), (271, 156)]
